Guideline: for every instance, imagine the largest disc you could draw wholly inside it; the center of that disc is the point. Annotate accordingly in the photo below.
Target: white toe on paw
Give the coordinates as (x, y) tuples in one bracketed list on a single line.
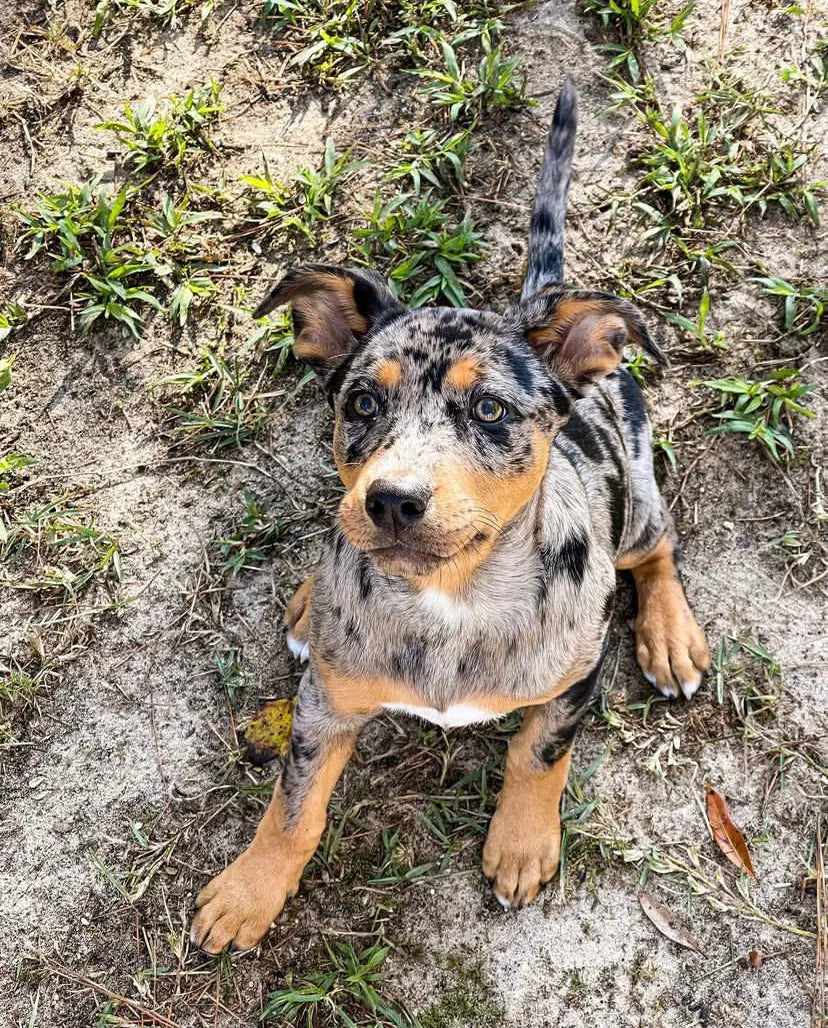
[(503, 902), (299, 649), (689, 688)]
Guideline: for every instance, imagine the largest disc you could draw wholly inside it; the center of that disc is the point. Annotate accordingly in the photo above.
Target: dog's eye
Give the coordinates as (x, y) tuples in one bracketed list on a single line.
[(488, 410), (363, 405)]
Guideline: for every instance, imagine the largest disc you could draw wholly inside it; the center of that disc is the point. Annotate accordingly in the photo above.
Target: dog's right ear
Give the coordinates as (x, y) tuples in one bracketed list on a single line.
[(332, 308)]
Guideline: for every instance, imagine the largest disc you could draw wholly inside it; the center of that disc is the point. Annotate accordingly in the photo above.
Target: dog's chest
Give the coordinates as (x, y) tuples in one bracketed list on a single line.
[(457, 715), (455, 662)]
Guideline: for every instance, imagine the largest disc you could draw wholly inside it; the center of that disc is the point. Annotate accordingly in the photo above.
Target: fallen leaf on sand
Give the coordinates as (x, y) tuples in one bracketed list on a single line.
[(725, 833), (268, 732), (667, 923)]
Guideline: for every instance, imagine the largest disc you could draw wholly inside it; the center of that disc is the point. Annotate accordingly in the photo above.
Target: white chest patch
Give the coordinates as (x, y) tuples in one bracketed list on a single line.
[(449, 608), (455, 717)]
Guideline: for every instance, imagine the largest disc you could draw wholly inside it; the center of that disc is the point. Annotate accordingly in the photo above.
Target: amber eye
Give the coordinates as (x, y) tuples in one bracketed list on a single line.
[(363, 405), (488, 410)]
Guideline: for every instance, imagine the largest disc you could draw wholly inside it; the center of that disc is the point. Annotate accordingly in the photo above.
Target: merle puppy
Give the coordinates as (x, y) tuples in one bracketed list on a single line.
[(497, 471)]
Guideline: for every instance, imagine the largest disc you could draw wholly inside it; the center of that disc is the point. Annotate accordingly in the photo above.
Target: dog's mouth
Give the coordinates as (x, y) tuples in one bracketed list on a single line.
[(402, 558)]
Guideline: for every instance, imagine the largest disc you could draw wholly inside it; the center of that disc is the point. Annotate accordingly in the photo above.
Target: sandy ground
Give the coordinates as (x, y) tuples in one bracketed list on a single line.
[(126, 789)]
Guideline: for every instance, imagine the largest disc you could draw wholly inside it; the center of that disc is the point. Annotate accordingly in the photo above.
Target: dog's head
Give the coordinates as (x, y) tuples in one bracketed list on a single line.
[(444, 417)]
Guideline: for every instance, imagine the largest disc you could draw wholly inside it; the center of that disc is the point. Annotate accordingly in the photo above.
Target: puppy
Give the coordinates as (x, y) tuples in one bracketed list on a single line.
[(497, 471)]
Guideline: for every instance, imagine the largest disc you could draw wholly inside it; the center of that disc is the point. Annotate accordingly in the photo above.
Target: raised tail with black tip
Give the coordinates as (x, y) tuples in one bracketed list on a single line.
[(546, 229)]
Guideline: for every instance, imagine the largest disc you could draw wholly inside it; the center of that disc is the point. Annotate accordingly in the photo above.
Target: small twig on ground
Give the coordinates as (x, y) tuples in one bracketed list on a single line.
[(69, 975), (29, 143)]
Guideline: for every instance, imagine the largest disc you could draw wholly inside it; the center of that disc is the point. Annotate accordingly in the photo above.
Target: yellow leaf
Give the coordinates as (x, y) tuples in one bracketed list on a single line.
[(268, 733)]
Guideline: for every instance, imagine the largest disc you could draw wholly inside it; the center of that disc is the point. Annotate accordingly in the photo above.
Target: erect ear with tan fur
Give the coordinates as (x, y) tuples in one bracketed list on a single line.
[(332, 308), (582, 334)]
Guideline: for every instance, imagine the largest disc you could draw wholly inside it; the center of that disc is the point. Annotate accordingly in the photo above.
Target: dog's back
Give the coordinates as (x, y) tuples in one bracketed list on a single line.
[(607, 438)]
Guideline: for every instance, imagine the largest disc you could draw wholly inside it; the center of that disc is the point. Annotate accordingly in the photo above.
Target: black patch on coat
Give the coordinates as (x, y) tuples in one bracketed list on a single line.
[(558, 745), (472, 663), (570, 559), (521, 369), (560, 397), (364, 574), (452, 331), (416, 354), (579, 695), (649, 536), (497, 434), (617, 509), (582, 433), (301, 757), (409, 662), (432, 376), (571, 707), (632, 403), (613, 448)]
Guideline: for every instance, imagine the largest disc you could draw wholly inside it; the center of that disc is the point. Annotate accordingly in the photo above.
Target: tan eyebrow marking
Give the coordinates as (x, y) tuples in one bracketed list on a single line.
[(463, 373), (388, 373)]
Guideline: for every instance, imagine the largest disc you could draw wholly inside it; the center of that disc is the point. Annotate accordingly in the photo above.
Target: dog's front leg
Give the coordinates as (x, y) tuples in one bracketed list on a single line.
[(297, 620), (523, 846), (238, 906)]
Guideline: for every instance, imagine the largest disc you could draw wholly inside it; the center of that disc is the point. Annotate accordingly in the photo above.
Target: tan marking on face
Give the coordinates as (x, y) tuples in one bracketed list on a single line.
[(495, 501), (357, 479), (463, 373), (469, 510), (388, 373)]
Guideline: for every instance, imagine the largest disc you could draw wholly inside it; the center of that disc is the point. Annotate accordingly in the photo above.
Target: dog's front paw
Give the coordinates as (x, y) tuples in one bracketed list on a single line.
[(239, 905), (670, 645), (520, 856), (297, 621)]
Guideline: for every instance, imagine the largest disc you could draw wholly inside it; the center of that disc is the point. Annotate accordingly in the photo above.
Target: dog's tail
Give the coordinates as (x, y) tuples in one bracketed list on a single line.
[(546, 229)]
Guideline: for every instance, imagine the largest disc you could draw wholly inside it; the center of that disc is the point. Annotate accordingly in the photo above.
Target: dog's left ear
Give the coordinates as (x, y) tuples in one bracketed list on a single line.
[(332, 308), (581, 334)]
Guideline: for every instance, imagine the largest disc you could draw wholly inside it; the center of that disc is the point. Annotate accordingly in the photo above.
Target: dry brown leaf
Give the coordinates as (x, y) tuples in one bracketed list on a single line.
[(725, 833), (667, 923), (268, 732)]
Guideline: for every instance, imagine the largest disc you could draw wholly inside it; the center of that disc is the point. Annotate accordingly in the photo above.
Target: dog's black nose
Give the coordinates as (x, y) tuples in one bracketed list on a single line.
[(394, 505)]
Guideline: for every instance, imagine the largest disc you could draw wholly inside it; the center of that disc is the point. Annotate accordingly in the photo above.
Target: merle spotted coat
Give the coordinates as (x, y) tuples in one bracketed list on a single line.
[(498, 471)]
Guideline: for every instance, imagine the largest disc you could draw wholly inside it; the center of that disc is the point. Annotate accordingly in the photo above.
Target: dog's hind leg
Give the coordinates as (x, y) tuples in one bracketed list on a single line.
[(670, 645), (523, 846)]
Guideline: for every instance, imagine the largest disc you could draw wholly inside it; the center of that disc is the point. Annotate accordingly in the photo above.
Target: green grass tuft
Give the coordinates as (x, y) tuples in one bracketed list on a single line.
[(470, 93), (344, 993), (416, 244), (296, 210), (762, 409), (156, 139)]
